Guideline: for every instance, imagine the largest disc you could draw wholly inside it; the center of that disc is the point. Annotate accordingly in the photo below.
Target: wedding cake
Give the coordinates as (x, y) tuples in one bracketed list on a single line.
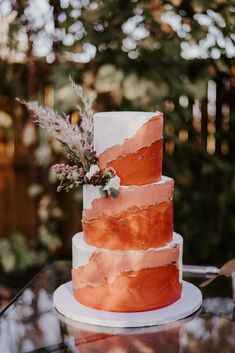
[(128, 259)]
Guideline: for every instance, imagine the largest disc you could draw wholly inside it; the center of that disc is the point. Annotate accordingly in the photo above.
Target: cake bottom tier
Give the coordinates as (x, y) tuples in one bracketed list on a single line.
[(127, 280)]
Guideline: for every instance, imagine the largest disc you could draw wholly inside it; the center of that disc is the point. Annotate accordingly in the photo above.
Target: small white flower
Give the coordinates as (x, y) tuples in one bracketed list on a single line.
[(113, 183), (92, 171)]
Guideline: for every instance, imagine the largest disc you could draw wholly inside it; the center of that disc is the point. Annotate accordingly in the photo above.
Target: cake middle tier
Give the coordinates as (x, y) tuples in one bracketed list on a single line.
[(140, 218), (127, 280)]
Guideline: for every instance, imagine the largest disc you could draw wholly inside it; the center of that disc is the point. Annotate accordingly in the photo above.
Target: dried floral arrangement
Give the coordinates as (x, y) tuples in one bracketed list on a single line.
[(77, 141)]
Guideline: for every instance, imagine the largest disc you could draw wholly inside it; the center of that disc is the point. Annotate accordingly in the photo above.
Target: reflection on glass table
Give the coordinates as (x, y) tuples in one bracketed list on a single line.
[(30, 323)]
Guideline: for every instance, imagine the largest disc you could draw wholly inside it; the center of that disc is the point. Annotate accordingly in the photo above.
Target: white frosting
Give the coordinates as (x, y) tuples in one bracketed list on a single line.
[(82, 251), (91, 192), (112, 128)]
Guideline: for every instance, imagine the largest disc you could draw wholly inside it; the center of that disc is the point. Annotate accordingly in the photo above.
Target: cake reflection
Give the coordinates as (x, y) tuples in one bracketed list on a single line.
[(90, 339)]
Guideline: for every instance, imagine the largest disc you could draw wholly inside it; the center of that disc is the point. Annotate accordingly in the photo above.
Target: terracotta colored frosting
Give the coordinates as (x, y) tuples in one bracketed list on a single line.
[(143, 152), (106, 266), (146, 289), (141, 218), (134, 228), (133, 196)]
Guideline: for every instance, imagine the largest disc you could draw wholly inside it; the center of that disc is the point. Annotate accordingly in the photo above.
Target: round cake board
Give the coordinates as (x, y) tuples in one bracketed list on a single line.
[(65, 302)]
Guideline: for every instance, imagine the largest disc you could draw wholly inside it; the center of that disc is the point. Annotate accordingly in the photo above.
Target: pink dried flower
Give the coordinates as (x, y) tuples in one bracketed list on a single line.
[(66, 169)]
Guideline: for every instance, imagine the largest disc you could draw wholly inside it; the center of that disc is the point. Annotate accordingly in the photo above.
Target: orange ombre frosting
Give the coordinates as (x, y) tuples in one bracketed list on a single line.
[(141, 290), (126, 280), (140, 218), (142, 151)]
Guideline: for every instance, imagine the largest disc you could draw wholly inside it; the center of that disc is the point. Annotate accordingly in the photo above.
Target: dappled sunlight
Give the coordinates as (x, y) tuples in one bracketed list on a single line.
[(40, 19)]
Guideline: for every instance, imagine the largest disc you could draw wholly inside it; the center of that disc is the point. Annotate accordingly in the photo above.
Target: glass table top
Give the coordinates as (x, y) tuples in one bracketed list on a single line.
[(31, 324)]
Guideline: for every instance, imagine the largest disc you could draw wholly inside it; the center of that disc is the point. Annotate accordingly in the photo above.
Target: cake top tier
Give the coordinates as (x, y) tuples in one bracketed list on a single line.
[(124, 139), (113, 128)]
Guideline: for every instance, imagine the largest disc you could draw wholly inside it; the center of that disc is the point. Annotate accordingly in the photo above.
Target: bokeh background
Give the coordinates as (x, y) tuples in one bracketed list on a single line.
[(176, 56)]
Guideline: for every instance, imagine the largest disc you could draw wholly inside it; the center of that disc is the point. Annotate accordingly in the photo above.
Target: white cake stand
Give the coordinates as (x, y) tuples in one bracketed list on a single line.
[(65, 302)]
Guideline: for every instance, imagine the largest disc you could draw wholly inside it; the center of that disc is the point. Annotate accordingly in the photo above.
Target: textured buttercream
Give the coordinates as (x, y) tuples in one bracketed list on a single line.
[(133, 195), (93, 267), (82, 252)]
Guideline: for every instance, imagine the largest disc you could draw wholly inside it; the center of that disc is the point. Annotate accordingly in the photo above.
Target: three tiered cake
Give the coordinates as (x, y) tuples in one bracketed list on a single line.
[(128, 258)]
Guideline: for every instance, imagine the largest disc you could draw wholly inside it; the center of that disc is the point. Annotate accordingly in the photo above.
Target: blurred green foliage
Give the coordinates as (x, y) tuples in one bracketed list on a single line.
[(175, 56), (15, 254)]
